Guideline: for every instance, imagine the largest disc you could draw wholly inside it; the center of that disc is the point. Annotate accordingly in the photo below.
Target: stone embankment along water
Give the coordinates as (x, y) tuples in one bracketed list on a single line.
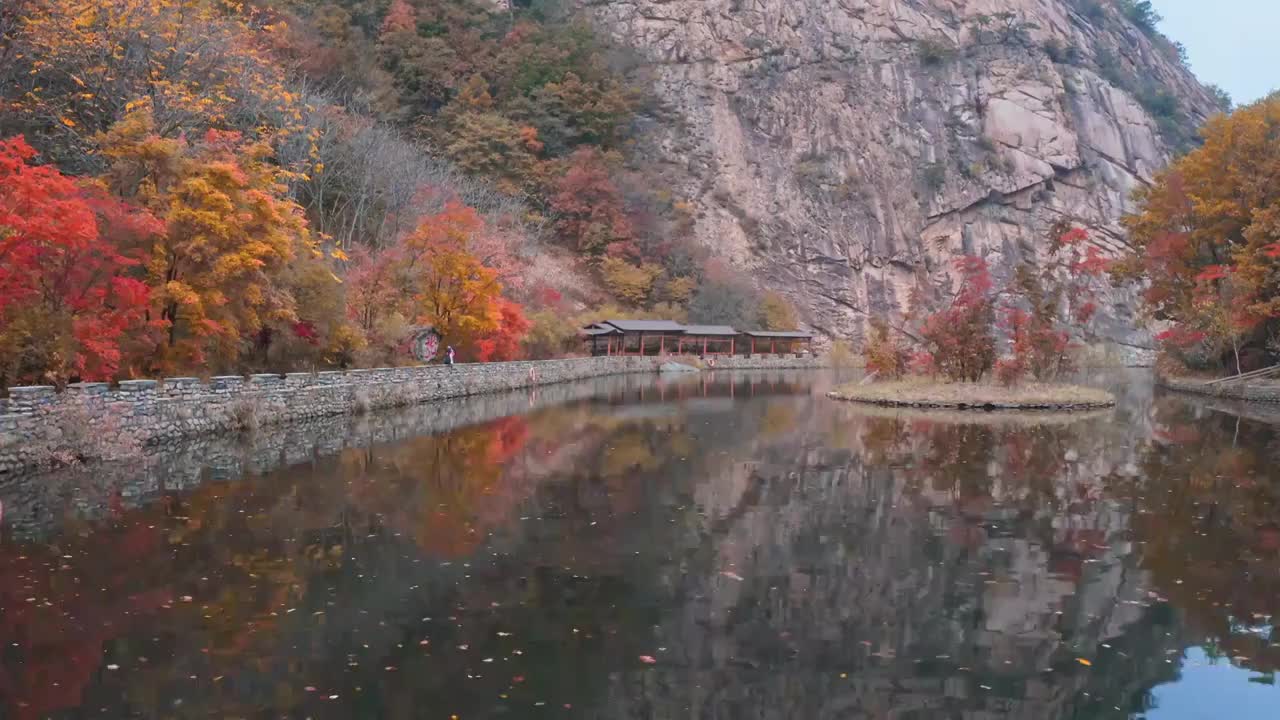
[(39, 426), (1265, 390)]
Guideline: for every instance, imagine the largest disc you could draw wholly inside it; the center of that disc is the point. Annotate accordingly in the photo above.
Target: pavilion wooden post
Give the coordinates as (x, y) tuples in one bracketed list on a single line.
[(704, 345), (662, 343), (773, 347), (753, 345), (733, 341)]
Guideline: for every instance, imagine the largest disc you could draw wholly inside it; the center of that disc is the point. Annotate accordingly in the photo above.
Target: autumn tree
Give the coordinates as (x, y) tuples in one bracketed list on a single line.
[(1053, 300), (1207, 239), (506, 341), (68, 304), (572, 113), (447, 274), (591, 212), (215, 271), (959, 338), (485, 143), (630, 283), (884, 354), (777, 313), (79, 66), (320, 335)]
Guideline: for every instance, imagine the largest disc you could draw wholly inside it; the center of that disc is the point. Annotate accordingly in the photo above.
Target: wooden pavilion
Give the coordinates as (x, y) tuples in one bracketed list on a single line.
[(708, 340), (659, 337), (633, 337), (784, 341)]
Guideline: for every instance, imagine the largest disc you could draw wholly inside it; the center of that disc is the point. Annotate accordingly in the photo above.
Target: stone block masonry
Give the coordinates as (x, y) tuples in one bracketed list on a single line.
[(91, 421)]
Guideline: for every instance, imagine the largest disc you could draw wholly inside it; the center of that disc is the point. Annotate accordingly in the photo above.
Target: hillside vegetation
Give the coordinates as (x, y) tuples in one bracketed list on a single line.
[(219, 186)]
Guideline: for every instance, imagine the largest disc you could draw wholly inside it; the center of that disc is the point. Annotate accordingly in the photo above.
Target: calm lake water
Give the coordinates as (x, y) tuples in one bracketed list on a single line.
[(724, 547)]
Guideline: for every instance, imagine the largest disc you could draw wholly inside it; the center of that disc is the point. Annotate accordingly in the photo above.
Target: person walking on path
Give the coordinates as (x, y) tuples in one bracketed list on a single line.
[(448, 356)]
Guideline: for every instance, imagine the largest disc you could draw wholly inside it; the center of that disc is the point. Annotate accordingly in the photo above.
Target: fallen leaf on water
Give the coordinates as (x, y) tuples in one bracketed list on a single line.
[(1084, 662), (648, 659), (732, 575), (310, 688)]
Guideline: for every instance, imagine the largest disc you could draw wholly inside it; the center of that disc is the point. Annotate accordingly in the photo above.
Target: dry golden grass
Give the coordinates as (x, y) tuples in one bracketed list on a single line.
[(928, 393)]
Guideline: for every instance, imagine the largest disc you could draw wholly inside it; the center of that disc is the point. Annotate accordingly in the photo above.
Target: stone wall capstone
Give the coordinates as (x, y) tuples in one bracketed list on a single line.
[(92, 421)]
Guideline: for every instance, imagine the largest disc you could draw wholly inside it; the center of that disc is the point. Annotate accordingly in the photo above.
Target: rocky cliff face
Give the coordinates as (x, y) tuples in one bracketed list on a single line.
[(845, 150)]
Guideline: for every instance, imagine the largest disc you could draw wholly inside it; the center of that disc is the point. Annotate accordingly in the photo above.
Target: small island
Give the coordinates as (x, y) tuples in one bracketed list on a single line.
[(920, 392), (984, 349)]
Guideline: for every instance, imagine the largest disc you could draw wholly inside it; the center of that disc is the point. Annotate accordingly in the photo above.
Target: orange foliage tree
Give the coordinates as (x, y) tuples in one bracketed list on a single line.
[(1207, 240), (230, 231), (67, 303), (447, 273), (885, 356)]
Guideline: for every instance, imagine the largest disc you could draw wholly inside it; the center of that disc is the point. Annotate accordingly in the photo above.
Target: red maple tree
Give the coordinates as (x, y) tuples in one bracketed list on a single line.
[(67, 301)]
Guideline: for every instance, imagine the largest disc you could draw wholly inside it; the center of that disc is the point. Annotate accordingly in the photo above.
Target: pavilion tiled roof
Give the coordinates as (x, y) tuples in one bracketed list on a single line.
[(779, 334), (645, 325), (709, 330), (607, 327)]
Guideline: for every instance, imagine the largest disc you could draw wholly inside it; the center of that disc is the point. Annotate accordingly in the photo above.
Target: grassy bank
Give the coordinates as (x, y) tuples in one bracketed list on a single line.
[(938, 394)]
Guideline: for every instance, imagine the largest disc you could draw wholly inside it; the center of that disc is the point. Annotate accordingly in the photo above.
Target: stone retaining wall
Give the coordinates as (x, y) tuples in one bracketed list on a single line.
[(1253, 390), (39, 426), (36, 503)]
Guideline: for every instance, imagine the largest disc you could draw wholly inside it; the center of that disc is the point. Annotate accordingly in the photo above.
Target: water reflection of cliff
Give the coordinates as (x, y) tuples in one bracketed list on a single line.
[(778, 555), (892, 565)]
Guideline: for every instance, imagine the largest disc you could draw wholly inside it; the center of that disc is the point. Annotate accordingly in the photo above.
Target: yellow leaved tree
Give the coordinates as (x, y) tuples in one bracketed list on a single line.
[(216, 272)]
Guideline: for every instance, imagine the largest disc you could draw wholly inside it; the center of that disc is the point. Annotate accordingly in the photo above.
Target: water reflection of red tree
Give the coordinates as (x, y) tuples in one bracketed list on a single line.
[(60, 606), (447, 492)]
